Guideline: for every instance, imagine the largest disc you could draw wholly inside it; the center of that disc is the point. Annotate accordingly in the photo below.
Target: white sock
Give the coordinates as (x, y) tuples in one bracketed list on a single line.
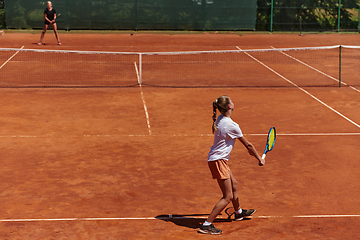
[(206, 223), (239, 211)]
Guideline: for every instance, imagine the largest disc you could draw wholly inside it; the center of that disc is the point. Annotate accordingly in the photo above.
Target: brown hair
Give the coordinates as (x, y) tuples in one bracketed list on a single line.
[(221, 103)]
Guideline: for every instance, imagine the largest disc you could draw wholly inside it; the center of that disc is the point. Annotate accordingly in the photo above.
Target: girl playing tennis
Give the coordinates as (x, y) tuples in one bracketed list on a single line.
[(50, 17), (226, 131)]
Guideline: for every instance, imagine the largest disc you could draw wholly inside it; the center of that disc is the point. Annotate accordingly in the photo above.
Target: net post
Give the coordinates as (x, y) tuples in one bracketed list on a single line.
[(339, 66), (338, 23), (140, 68), (204, 16), (359, 20), (271, 15), (67, 15), (136, 15)]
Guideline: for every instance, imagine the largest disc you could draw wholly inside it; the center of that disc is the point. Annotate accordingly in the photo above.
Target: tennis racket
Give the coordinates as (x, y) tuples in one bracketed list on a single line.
[(58, 16), (270, 142)]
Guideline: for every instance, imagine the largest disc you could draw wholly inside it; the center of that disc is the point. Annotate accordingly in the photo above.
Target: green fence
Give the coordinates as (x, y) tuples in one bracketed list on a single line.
[(308, 15), (136, 14), (2, 15), (259, 15)]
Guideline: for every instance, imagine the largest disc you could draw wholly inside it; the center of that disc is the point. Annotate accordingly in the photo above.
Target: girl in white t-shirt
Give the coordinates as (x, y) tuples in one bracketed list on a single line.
[(226, 131)]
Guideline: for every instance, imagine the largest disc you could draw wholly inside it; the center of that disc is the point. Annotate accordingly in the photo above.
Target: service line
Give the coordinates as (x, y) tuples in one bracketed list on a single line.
[(179, 135)]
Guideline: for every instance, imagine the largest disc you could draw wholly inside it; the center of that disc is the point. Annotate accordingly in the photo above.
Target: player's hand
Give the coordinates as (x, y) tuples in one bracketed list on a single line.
[(261, 162)]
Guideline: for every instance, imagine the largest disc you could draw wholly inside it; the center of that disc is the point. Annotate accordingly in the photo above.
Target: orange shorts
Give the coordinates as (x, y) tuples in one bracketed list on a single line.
[(219, 169)]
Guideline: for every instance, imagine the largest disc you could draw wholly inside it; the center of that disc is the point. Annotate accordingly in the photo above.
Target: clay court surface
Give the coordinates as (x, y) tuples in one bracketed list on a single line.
[(113, 163)]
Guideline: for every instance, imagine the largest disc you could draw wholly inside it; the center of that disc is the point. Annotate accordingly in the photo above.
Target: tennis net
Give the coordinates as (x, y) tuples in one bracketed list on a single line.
[(48, 68), (286, 67)]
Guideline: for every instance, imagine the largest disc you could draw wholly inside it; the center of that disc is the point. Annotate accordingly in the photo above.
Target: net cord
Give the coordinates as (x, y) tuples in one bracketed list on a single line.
[(176, 53)]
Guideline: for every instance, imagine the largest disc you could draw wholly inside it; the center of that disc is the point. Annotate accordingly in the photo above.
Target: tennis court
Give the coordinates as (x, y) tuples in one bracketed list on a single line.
[(115, 163)]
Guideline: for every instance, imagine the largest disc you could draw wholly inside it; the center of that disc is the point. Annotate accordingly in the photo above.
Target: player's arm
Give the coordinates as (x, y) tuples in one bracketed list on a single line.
[(251, 149), (45, 16)]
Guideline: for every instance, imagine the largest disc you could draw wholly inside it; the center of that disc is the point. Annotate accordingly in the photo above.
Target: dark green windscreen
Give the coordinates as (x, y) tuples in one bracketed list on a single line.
[(136, 14)]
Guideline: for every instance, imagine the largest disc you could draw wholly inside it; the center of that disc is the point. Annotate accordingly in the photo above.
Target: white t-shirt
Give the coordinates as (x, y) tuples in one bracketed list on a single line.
[(224, 138)]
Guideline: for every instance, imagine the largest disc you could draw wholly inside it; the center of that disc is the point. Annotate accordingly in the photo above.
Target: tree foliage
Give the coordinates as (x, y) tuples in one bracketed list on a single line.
[(2, 15), (312, 14)]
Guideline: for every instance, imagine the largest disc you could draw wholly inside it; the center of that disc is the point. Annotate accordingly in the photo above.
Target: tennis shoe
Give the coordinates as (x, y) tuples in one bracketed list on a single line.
[(245, 213), (39, 43), (59, 43), (209, 230)]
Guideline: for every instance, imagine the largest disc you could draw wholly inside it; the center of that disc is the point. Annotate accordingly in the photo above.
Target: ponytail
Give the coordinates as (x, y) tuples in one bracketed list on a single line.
[(214, 128), (221, 103)]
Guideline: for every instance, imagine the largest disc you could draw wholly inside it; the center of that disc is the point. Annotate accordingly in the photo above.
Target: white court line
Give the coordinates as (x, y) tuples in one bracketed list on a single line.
[(143, 99), (332, 109), (162, 218), (342, 82), (312, 216), (10, 58), (18, 136), (307, 134), (180, 135)]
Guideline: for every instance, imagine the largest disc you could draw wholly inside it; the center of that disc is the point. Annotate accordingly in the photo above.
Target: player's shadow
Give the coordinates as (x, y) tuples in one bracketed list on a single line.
[(192, 221)]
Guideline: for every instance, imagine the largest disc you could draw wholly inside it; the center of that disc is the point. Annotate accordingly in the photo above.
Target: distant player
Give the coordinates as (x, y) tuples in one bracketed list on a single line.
[(226, 131), (50, 17)]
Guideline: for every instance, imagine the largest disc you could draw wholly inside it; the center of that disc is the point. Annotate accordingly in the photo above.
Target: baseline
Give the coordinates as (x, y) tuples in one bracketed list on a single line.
[(165, 217)]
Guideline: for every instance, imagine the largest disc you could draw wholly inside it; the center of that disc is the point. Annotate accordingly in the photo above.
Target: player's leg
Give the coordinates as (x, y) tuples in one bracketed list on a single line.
[(234, 186), (43, 33), (56, 32), (221, 172), (239, 213), (225, 186), (226, 189)]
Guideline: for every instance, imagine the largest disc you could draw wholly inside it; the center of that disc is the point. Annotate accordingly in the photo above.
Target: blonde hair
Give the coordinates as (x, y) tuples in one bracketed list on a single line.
[(221, 103)]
